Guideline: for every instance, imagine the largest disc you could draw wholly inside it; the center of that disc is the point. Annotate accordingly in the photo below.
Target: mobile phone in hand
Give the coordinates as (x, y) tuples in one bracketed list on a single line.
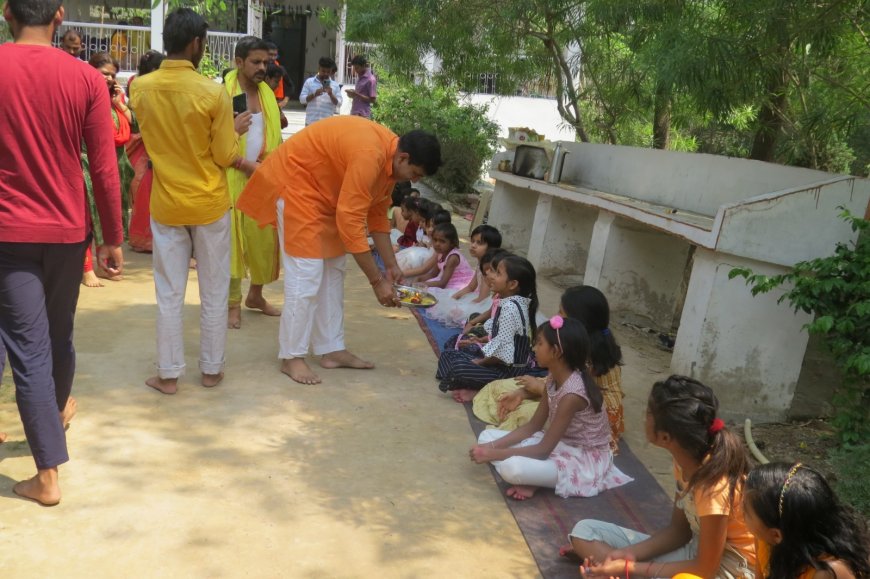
[(240, 103)]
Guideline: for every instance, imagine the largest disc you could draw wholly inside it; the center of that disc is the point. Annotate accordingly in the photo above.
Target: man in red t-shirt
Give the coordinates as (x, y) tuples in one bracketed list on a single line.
[(44, 223)]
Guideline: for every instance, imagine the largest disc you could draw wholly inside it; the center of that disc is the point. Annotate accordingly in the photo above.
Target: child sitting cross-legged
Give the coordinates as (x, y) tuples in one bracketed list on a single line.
[(566, 444), (511, 403), (802, 529), (707, 535), (454, 308), (507, 351)]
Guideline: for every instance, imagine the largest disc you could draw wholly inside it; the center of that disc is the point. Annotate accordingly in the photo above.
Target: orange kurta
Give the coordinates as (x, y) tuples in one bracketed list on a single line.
[(335, 177)]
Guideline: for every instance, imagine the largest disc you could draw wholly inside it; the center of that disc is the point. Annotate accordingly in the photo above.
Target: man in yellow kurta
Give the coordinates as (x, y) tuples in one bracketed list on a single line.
[(191, 137), (253, 249), (323, 189)]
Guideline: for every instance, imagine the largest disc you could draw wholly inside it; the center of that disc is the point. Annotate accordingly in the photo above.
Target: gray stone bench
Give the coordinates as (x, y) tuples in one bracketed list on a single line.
[(659, 231)]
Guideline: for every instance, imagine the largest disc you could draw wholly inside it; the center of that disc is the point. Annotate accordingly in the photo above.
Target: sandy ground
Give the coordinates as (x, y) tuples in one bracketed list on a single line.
[(365, 475)]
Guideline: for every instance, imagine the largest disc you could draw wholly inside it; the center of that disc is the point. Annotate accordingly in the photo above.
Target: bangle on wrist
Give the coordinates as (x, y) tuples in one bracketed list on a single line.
[(377, 280)]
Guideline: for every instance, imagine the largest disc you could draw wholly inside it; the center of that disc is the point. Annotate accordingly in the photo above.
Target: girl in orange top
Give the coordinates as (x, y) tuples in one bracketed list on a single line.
[(707, 536), (801, 528)]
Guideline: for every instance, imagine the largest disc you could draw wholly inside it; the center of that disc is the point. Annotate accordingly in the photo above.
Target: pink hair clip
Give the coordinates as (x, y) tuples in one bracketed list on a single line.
[(557, 322)]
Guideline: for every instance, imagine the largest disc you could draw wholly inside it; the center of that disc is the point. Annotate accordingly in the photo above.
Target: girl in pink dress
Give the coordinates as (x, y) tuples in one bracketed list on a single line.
[(453, 270), (566, 445)]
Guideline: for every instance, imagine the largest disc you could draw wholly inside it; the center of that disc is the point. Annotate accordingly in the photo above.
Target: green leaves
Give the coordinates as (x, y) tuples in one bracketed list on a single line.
[(466, 134)]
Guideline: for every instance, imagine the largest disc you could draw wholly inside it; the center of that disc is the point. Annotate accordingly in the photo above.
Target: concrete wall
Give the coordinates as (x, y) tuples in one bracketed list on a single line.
[(561, 236), (512, 211), (641, 270), (689, 181), (749, 349), (788, 228)]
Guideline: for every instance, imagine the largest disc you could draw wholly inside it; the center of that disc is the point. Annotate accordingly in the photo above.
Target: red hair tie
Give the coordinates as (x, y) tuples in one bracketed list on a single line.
[(717, 425)]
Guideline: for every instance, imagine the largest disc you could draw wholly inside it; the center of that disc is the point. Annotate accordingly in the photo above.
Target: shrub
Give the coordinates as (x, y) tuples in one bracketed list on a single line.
[(467, 136)]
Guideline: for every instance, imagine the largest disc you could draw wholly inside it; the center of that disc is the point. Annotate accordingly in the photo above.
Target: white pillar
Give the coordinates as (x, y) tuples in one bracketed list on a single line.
[(255, 18), (158, 15), (340, 48)]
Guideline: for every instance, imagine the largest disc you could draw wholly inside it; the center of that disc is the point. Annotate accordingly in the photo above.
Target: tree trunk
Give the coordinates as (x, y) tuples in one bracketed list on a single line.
[(770, 121), (662, 118)]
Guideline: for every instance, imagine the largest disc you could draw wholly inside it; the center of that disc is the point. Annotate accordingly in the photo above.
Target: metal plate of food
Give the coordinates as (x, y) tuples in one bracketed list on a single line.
[(412, 297)]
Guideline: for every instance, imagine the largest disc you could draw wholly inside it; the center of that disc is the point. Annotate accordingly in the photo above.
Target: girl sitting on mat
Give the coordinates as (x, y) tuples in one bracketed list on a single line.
[(507, 353), (802, 529), (707, 536), (455, 308), (566, 445), (421, 262), (453, 271), (511, 403)]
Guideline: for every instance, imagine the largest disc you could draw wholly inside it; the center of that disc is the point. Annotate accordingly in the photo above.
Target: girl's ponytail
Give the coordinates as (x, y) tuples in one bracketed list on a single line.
[(686, 410), (522, 271)]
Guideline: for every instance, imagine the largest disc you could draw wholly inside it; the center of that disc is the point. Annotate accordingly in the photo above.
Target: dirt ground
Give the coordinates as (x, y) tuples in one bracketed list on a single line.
[(366, 475)]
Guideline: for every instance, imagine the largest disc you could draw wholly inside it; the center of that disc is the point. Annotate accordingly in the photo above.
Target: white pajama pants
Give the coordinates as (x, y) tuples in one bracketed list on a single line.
[(521, 470), (313, 314), (173, 247)]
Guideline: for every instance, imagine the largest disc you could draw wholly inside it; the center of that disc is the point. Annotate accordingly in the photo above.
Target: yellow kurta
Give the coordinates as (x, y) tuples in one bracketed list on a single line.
[(186, 122), (335, 177), (254, 250)]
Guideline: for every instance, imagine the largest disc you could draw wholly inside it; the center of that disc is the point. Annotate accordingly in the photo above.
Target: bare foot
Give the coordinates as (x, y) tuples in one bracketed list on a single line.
[(298, 370), (463, 395), (90, 279), (234, 317), (2, 437), (344, 359), (521, 492), (262, 305), (104, 275), (69, 411), (42, 488), (212, 380), (166, 386), (192, 263)]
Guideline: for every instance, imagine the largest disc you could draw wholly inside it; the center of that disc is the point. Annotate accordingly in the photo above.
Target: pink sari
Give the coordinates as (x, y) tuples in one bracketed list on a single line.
[(140, 194)]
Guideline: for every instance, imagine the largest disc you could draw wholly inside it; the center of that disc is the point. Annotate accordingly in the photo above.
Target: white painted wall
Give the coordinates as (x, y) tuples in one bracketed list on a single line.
[(539, 114)]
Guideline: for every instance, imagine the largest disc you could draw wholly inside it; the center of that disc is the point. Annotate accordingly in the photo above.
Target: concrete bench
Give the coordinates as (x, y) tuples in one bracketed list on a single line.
[(659, 231)]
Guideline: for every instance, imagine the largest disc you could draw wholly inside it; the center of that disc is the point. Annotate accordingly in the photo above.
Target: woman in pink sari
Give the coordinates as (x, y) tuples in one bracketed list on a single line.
[(140, 186)]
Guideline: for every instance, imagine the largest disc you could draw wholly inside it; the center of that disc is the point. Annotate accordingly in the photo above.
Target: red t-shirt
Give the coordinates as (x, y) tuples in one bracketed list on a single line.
[(52, 103)]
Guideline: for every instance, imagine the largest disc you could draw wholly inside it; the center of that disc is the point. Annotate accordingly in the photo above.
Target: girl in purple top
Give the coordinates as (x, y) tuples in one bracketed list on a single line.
[(566, 445), (453, 269)]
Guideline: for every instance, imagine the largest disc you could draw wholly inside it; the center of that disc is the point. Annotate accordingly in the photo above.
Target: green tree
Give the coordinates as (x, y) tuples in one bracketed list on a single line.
[(659, 72)]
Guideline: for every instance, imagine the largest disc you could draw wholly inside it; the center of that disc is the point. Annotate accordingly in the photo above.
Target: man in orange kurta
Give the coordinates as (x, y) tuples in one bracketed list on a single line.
[(324, 189)]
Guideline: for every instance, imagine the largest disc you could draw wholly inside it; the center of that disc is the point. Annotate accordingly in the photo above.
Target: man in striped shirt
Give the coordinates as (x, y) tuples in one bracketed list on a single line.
[(320, 94)]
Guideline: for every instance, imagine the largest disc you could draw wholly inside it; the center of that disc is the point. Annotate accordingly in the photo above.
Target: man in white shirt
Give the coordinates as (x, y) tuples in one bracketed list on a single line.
[(320, 94)]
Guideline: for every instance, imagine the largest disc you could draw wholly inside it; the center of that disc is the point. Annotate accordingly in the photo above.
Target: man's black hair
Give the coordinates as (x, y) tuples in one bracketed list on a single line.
[(275, 70), (423, 150), (271, 45), (488, 234), (248, 44), (326, 62), (360, 60), (182, 27), (34, 12), (71, 32)]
